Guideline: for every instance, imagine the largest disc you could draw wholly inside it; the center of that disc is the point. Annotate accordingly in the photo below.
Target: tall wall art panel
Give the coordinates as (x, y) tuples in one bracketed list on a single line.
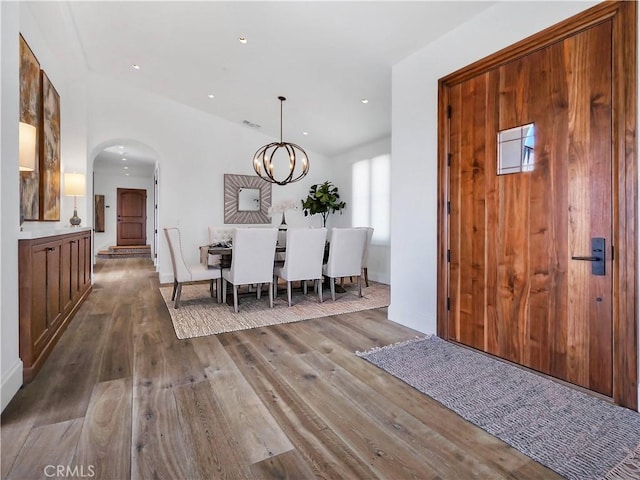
[(30, 105), (50, 153)]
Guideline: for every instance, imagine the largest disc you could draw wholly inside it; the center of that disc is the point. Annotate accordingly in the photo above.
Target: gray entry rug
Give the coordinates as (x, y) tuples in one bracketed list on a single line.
[(575, 434), (199, 314)]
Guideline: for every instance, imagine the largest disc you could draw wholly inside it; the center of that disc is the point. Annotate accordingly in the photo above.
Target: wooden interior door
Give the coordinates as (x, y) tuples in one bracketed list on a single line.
[(516, 282), (132, 217)]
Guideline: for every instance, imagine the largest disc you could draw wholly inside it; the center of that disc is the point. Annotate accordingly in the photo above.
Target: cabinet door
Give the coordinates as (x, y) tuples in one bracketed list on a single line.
[(69, 270), (75, 262), (54, 308), (45, 302), (38, 323), (66, 293), (82, 260), (76, 251), (88, 257)]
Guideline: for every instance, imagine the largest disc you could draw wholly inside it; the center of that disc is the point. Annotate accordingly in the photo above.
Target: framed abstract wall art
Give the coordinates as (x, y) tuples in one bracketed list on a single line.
[(50, 152), (30, 104), (98, 215)]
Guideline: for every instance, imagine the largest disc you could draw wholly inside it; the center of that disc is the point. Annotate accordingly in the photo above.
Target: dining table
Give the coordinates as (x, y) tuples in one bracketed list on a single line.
[(225, 250)]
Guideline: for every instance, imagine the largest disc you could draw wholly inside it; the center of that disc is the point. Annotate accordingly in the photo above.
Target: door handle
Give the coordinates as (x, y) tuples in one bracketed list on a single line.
[(598, 256)]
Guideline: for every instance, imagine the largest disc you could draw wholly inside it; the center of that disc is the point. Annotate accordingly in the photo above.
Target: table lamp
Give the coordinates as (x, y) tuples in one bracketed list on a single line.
[(74, 185)]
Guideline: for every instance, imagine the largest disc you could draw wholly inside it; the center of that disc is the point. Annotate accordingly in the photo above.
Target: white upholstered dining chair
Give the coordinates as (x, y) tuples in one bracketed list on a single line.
[(345, 256), (252, 257), (303, 259), (183, 273), (365, 255)]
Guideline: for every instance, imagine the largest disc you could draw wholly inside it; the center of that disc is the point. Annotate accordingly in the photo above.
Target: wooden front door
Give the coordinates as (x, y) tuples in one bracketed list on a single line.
[(531, 248), (132, 217)]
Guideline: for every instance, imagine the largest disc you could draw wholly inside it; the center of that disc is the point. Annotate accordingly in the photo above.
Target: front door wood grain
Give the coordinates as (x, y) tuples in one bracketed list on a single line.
[(512, 286)]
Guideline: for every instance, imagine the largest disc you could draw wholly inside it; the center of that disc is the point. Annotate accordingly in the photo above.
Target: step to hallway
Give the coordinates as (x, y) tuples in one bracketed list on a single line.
[(129, 251)]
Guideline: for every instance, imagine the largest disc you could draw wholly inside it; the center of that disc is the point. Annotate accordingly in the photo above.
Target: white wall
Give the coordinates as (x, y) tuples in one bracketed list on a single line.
[(10, 364), (379, 255), (107, 184), (414, 169), (194, 151), (67, 75)]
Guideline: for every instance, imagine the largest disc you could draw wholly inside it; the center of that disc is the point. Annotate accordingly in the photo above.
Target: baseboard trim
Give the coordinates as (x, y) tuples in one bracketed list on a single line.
[(11, 383), (380, 278)]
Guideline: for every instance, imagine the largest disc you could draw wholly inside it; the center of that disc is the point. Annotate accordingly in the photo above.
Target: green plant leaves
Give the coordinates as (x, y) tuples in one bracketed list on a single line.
[(323, 199)]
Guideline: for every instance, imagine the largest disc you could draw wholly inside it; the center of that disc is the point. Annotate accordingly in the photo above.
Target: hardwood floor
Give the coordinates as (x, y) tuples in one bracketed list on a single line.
[(121, 397)]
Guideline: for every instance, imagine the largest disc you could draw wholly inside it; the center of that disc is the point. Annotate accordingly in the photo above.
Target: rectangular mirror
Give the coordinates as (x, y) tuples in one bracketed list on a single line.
[(248, 200)]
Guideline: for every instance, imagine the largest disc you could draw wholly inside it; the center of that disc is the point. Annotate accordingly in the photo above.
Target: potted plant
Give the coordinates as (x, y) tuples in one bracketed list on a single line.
[(323, 199)]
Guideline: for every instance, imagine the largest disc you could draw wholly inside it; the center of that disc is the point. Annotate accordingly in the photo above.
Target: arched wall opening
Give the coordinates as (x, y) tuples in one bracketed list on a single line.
[(122, 163)]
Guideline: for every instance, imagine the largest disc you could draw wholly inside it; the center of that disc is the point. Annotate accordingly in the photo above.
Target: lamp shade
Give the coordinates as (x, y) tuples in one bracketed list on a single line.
[(74, 184), (27, 146)]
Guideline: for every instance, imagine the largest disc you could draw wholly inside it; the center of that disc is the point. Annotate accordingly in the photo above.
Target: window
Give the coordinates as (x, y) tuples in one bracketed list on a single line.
[(515, 149), (371, 196)]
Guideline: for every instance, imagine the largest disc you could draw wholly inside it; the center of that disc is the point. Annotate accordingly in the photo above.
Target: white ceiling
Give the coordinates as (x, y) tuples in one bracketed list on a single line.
[(323, 56), (131, 158)]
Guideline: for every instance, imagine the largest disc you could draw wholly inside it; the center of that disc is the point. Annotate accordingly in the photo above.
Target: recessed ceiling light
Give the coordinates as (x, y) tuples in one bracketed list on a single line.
[(136, 66), (124, 159), (305, 133), (364, 100), (210, 95), (127, 174), (242, 40), (126, 168)]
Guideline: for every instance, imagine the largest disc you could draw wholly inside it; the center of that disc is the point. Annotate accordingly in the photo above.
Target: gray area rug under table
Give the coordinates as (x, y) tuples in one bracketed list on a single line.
[(575, 434), (199, 314)]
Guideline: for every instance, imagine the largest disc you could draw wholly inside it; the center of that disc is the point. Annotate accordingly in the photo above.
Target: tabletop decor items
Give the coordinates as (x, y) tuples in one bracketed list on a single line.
[(282, 207)]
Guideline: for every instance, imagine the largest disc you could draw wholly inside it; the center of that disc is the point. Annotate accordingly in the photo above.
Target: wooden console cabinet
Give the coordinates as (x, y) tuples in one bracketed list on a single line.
[(54, 280)]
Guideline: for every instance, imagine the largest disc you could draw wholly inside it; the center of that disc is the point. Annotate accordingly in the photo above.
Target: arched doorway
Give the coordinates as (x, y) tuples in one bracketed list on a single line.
[(124, 165)]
